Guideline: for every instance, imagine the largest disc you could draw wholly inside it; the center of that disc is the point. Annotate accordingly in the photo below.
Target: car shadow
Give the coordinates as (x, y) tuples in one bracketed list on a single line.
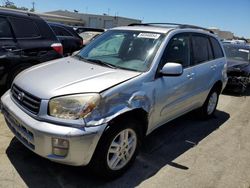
[(160, 149)]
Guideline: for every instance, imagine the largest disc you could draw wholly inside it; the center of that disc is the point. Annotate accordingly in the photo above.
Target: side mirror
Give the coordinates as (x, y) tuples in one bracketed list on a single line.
[(171, 69)]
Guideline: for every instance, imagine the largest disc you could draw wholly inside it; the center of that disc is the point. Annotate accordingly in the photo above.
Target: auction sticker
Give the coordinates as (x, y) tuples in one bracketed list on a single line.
[(149, 35)]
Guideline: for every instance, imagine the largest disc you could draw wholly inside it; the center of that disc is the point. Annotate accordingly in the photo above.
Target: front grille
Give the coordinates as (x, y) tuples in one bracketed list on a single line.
[(19, 130), (26, 100)]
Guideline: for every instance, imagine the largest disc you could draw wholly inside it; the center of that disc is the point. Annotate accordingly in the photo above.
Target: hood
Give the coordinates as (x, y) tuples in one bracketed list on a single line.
[(69, 76), (236, 63), (238, 66)]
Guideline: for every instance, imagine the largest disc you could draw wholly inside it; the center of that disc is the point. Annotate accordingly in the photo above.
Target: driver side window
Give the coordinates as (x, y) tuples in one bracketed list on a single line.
[(178, 50)]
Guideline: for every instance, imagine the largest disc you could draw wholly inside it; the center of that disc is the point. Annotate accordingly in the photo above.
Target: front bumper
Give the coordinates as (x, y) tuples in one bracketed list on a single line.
[(37, 135)]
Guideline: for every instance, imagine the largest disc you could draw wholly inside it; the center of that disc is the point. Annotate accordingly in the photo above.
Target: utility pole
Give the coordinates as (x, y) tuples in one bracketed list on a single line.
[(33, 7)]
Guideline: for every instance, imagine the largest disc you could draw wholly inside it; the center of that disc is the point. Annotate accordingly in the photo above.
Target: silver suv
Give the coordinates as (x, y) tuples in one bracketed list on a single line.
[(97, 106)]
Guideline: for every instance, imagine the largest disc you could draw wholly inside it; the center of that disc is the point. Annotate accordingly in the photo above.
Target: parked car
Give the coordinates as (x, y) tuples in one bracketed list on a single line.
[(96, 107), (25, 40), (69, 38), (88, 36), (238, 62), (80, 29)]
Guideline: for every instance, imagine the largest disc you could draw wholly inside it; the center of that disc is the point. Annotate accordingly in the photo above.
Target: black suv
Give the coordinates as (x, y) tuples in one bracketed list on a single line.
[(25, 40), (69, 38)]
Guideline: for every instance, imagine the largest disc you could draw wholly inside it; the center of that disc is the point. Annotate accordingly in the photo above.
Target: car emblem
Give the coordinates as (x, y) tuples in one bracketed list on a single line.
[(20, 96)]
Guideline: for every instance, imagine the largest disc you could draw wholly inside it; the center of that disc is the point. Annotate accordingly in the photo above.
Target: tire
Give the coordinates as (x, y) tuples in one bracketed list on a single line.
[(114, 155), (208, 108)]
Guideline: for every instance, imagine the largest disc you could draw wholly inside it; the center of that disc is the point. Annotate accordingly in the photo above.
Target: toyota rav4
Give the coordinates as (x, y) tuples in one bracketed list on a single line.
[(97, 106)]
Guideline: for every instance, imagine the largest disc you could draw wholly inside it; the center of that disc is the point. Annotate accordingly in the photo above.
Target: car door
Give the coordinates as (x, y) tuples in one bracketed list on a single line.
[(29, 39), (174, 94), (8, 42), (205, 65), (9, 49)]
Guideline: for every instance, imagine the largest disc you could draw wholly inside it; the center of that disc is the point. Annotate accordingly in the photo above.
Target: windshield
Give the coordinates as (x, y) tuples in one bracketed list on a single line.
[(237, 52), (131, 50)]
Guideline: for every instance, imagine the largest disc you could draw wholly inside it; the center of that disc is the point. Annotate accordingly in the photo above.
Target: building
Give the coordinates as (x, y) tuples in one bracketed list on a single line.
[(51, 17), (61, 19), (227, 35), (95, 21)]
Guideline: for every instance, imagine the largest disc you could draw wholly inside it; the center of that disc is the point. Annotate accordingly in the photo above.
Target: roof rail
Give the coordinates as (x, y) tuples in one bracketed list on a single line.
[(181, 26), (138, 24), (17, 11)]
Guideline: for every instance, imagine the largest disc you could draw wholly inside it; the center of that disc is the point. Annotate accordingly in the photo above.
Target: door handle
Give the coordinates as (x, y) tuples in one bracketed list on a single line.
[(9, 48), (213, 67), (190, 75)]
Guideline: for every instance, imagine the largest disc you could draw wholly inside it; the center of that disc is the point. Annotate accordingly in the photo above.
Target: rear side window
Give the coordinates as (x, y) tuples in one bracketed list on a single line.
[(60, 31), (24, 28), (201, 49), (216, 48), (5, 31)]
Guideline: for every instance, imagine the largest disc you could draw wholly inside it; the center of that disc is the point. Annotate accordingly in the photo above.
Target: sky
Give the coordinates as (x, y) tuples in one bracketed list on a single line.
[(228, 15)]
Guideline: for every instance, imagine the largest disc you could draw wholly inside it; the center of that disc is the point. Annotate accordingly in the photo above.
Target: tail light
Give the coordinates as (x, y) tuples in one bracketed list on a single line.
[(81, 43), (58, 48)]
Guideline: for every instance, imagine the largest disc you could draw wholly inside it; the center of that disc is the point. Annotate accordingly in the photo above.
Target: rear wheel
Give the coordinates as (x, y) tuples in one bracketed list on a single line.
[(209, 107), (116, 150)]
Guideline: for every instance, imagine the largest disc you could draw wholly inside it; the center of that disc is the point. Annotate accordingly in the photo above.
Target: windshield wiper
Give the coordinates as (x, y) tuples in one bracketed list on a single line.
[(97, 61), (129, 69), (79, 57)]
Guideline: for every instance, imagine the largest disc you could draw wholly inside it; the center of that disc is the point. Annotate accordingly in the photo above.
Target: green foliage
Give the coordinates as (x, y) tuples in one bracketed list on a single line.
[(11, 5)]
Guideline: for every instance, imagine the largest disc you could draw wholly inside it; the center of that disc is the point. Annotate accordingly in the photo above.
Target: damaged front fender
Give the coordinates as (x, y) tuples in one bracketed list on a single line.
[(117, 105)]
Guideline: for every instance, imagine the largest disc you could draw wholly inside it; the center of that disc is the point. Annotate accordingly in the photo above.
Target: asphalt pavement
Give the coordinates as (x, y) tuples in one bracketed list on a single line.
[(186, 152)]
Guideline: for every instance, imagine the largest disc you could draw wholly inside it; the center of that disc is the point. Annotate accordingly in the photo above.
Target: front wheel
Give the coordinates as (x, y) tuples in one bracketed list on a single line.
[(116, 150), (209, 107)]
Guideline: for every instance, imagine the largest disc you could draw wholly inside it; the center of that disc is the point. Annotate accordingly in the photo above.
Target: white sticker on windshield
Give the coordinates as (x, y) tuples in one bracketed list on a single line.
[(149, 35), (243, 50)]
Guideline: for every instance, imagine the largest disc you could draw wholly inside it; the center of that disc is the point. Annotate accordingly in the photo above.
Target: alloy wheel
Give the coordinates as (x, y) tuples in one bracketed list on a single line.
[(121, 149)]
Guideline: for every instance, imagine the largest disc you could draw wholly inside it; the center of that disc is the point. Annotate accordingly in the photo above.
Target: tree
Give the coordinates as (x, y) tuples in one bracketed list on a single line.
[(11, 5)]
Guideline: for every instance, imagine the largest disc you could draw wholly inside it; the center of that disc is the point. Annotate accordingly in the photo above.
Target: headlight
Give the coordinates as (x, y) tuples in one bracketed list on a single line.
[(73, 107)]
